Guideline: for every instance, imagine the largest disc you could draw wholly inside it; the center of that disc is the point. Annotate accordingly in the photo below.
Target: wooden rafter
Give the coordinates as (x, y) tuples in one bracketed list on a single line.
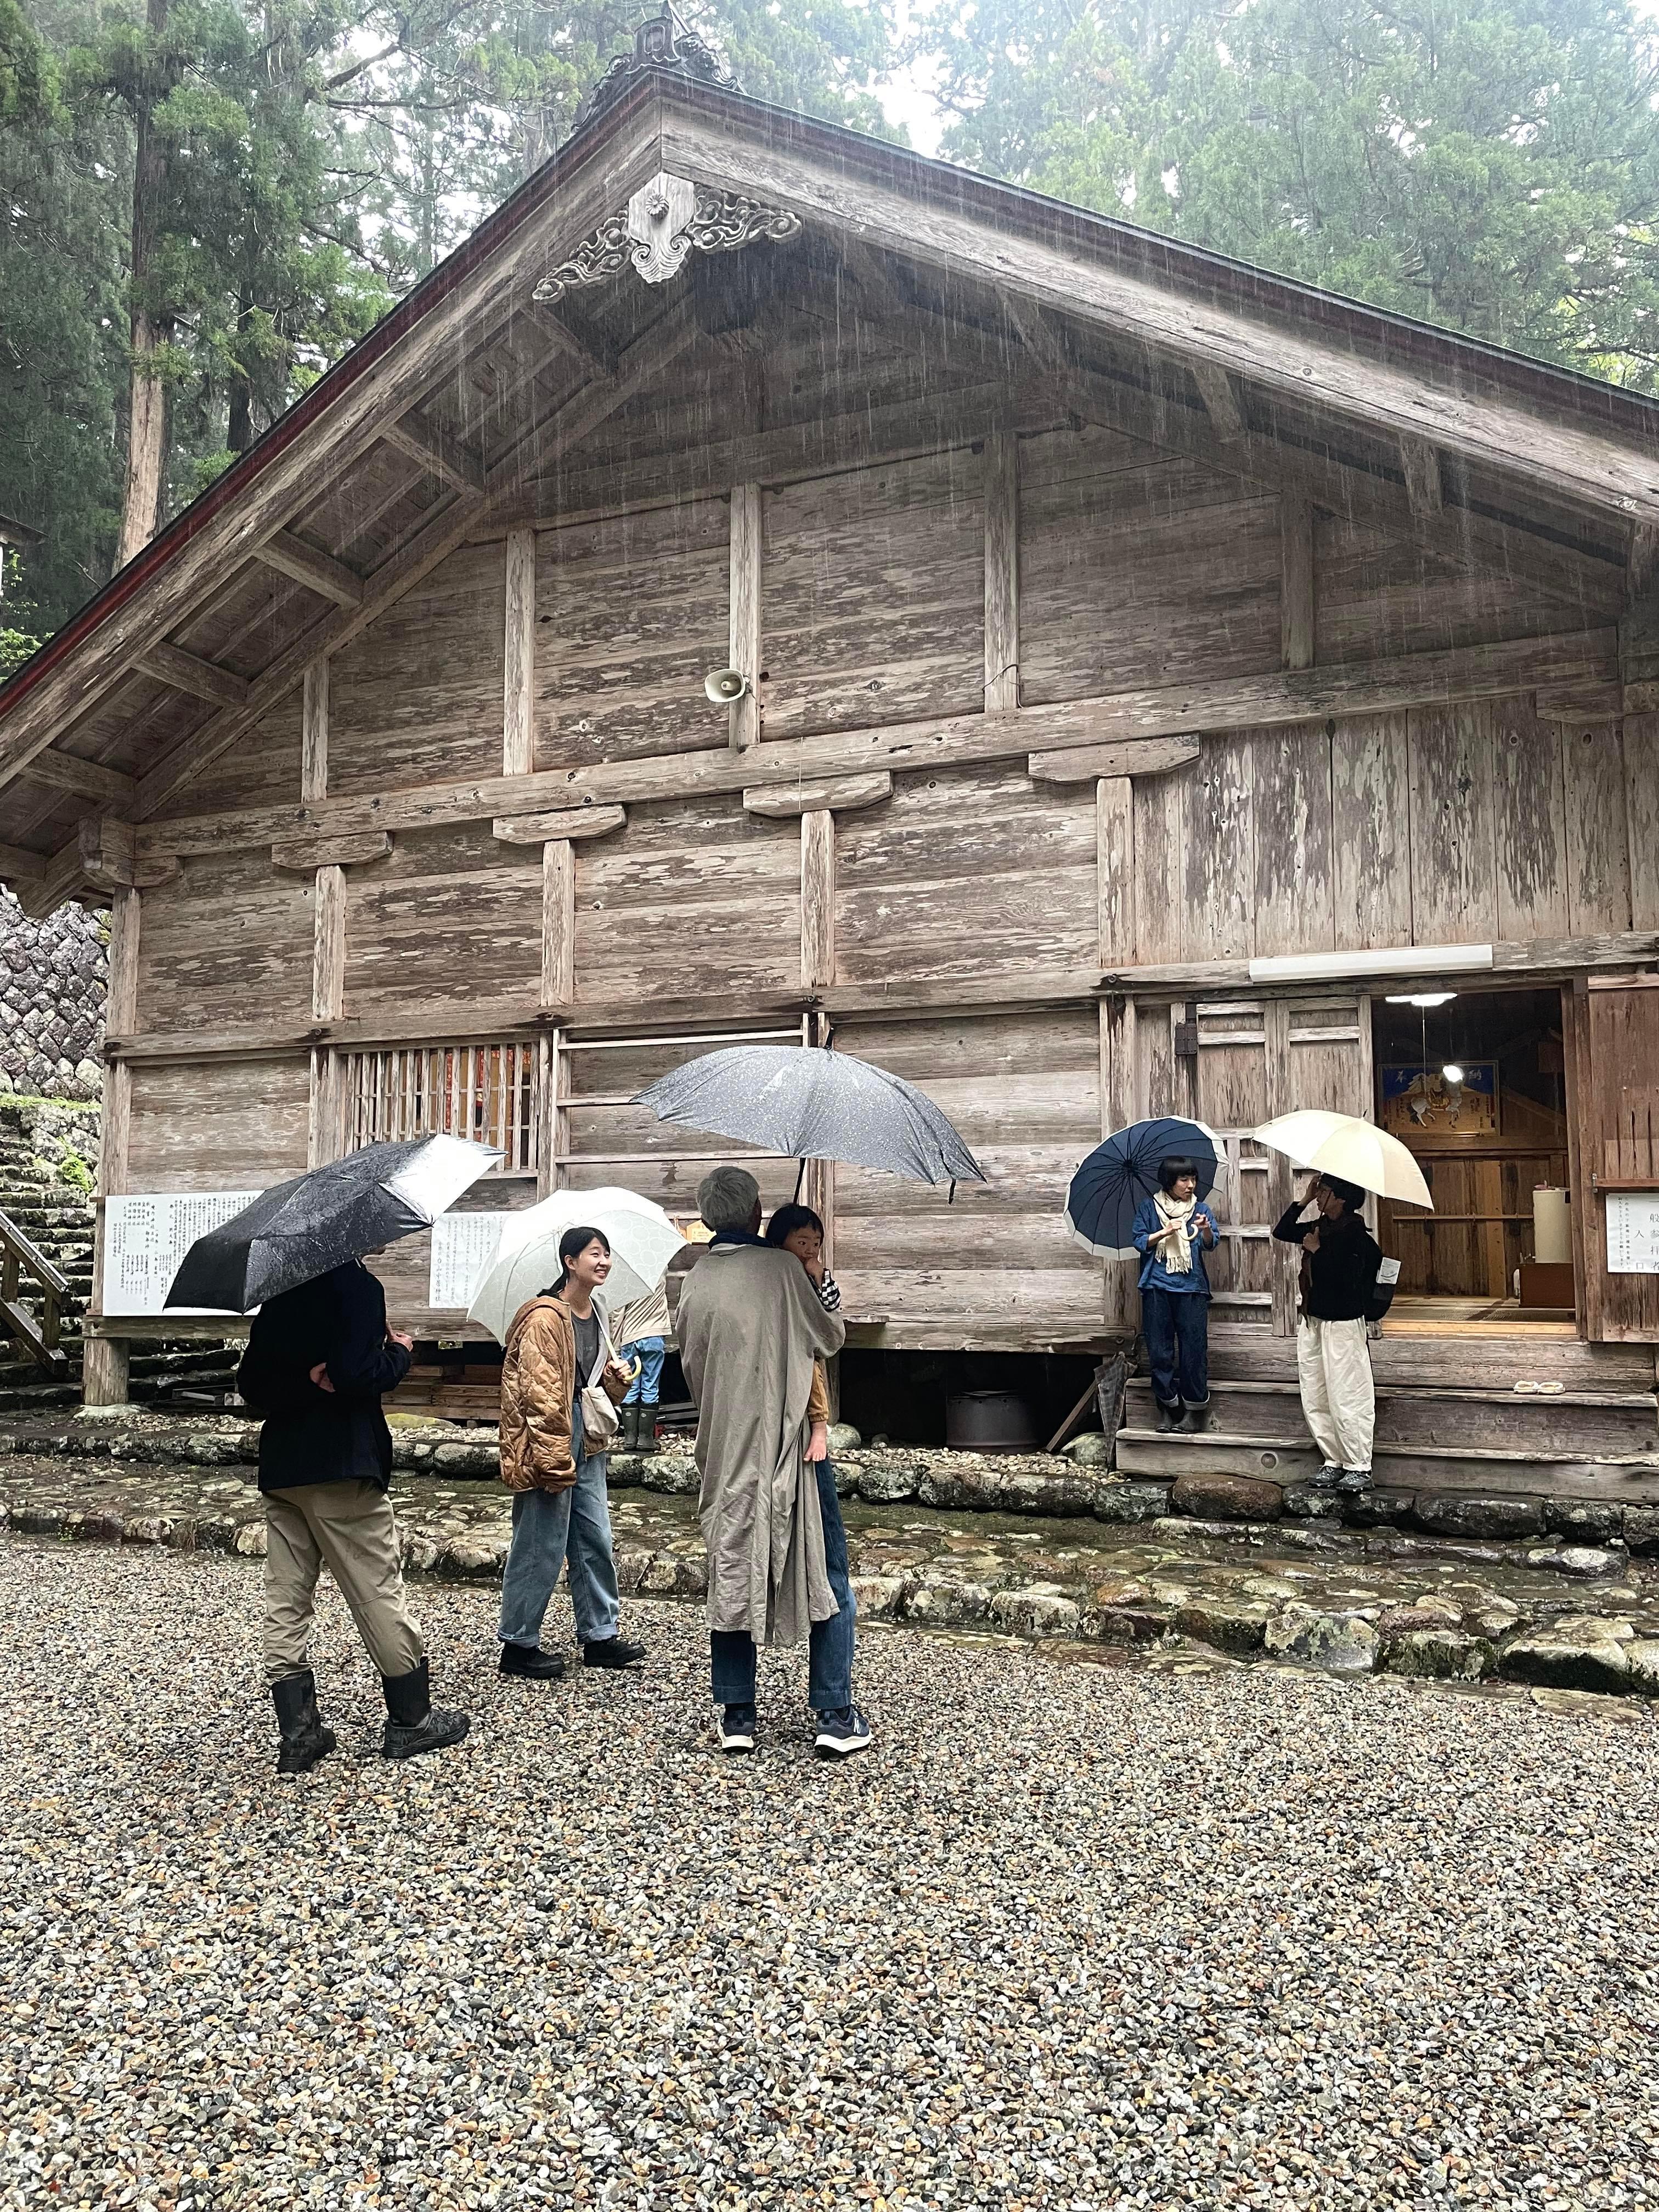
[(188, 672), (447, 457), (317, 571)]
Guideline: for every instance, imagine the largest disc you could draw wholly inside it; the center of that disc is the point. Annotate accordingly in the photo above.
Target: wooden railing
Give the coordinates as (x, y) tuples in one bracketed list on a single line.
[(18, 1258)]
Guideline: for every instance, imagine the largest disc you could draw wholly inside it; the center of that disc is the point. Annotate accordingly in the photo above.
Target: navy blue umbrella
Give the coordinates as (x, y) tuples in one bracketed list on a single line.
[(1108, 1189)]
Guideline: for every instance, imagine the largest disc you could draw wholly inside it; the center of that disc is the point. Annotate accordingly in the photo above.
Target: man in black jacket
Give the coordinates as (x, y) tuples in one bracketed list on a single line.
[(1340, 1298), (318, 1359)]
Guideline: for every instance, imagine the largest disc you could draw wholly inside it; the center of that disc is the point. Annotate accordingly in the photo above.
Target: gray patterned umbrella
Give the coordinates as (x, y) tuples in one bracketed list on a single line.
[(814, 1104)]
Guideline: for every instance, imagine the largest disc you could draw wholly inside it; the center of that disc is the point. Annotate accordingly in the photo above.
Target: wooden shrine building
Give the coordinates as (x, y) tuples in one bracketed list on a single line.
[(1155, 671)]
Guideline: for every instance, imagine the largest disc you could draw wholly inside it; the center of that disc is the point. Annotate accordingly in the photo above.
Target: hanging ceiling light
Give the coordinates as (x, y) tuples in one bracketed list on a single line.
[(1421, 998), (1451, 1072)]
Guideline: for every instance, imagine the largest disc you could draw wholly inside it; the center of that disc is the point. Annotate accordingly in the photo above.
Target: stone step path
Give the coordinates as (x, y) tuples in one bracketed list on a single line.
[(1553, 1615)]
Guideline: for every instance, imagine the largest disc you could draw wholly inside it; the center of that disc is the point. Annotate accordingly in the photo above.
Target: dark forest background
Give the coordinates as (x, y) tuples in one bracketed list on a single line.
[(205, 201)]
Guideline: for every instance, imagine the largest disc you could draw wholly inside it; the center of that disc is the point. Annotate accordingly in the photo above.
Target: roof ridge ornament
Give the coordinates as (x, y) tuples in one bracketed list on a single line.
[(663, 41), (658, 228)]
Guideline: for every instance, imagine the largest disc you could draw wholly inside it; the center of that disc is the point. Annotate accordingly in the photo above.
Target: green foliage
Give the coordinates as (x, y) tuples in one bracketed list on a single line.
[(1489, 165), (317, 158), (73, 1170)]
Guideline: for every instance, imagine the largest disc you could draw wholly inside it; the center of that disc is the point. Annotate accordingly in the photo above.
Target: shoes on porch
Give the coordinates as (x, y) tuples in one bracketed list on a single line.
[(1195, 1419), (1169, 1418)]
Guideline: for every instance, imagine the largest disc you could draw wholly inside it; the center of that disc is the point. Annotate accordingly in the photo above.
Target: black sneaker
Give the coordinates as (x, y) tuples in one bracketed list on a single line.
[(614, 1651), (737, 1727), (1326, 1478), (530, 1663), (1354, 1481), (841, 1733)]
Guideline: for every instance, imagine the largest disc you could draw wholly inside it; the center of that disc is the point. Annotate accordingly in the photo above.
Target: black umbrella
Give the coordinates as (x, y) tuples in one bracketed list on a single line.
[(814, 1104), (299, 1229)]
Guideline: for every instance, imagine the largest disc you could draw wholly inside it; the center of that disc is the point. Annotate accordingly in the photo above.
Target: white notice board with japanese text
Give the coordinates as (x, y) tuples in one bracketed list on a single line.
[(463, 1246), (146, 1236), (1633, 1232)]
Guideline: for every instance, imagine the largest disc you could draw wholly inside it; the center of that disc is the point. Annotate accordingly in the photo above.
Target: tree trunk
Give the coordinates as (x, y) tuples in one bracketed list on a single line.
[(239, 435), (147, 433)]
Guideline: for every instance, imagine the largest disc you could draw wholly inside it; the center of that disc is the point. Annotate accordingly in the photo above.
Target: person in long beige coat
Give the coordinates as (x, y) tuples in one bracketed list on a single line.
[(560, 1511), (750, 1325)]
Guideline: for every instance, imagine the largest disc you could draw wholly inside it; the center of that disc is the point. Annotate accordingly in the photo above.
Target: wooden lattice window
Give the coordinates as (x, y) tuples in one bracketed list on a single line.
[(486, 1092)]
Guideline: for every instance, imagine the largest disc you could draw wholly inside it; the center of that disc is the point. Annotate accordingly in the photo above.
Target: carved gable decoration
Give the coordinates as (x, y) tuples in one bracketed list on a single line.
[(659, 228)]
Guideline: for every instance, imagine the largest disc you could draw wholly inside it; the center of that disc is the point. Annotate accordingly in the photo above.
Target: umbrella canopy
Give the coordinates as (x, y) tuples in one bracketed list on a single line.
[(1341, 1144), (642, 1240), (812, 1104), (1110, 1186), (299, 1229)]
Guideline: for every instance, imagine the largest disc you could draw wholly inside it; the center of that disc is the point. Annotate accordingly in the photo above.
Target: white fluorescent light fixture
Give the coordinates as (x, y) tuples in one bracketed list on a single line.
[(1421, 998), (1390, 960)]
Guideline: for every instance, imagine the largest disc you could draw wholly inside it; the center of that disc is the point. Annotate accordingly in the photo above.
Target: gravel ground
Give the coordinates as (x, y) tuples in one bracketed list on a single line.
[(1071, 1934)]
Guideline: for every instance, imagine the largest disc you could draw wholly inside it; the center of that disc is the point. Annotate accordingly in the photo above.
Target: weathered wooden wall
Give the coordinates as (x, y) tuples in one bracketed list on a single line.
[(237, 1125)]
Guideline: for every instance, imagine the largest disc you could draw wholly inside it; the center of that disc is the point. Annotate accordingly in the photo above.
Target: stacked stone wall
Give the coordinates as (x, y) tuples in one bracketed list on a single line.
[(54, 978)]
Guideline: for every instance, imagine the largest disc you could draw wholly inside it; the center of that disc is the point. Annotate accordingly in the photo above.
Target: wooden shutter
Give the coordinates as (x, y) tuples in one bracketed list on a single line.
[(1614, 1040)]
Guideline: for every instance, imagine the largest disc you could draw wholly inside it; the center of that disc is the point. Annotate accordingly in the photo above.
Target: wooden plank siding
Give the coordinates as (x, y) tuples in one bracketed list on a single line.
[(227, 941), (237, 1126)]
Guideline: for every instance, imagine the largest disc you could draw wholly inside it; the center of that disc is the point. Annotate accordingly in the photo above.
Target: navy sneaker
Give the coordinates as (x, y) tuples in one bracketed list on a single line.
[(737, 1727), (841, 1733)]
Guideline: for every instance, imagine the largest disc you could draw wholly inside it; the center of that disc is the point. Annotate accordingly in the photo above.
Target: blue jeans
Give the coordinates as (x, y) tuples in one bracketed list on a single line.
[(830, 1671), (1176, 1327), (647, 1385), (548, 1528)]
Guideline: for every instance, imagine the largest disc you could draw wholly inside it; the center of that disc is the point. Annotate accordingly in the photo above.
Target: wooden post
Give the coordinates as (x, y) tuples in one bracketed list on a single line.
[(1296, 600), (104, 1359), (1276, 1027), (818, 1188), (313, 733), (1115, 872), (558, 922), (328, 946), (1121, 1300), (743, 651), (519, 715), (817, 899), (1001, 570)]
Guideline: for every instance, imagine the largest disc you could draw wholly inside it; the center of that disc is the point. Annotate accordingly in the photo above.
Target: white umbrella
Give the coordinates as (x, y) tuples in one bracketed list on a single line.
[(1342, 1145), (642, 1239)]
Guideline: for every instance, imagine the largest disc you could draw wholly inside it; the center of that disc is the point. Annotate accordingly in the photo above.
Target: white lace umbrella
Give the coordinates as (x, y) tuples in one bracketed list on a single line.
[(642, 1240), (1342, 1145)]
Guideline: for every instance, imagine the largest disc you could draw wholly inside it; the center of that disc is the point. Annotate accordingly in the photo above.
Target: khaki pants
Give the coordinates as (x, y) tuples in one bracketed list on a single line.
[(1339, 1398), (348, 1527)]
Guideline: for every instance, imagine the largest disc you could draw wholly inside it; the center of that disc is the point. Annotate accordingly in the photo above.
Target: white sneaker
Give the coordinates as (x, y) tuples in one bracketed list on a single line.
[(736, 1727), (841, 1733)]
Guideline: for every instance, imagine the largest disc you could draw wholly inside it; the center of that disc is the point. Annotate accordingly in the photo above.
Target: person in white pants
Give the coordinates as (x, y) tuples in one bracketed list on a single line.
[(1340, 1297)]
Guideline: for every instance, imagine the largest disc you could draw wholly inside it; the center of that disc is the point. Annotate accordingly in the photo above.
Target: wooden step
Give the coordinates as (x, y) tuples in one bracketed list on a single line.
[(1629, 1479), (1574, 1425), (1239, 1353)]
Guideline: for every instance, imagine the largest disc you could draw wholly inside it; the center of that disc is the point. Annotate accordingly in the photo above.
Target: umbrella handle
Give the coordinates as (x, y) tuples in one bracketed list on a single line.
[(800, 1177)]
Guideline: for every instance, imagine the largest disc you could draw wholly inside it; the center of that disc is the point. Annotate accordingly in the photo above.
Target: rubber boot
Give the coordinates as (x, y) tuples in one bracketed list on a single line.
[(1169, 1418), (645, 1442), (414, 1723), (628, 1428), (305, 1740), (1195, 1419)]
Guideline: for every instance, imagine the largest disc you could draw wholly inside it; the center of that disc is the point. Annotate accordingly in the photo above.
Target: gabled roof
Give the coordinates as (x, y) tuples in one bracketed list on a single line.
[(466, 403)]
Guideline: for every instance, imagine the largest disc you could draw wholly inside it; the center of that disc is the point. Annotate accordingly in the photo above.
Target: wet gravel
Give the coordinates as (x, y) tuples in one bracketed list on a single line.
[(1071, 1935)]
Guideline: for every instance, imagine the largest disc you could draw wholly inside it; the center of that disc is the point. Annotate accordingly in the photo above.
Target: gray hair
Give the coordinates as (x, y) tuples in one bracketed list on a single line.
[(727, 1197)]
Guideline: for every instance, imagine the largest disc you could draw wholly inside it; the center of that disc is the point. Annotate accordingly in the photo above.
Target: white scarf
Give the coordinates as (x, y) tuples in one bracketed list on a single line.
[(1175, 1253)]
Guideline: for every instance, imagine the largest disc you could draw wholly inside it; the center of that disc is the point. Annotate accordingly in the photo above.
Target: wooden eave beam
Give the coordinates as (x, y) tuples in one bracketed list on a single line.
[(20, 866), (1128, 719), (439, 454), (202, 680), (1619, 477), (317, 571), (1221, 401), (83, 779)]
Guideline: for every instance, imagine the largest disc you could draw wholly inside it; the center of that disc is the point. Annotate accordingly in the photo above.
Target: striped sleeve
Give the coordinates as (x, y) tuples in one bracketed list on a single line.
[(829, 1293)]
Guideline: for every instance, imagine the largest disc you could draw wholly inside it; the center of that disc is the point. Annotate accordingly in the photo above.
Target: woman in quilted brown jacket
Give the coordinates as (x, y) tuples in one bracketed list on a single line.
[(561, 1513)]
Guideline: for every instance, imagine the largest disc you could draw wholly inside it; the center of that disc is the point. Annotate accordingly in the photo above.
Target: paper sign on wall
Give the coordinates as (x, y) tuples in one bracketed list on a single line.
[(1633, 1232), (146, 1238), (463, 1246)]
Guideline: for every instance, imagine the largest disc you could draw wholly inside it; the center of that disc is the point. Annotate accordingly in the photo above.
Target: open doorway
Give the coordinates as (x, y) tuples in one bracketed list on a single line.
[(1473, 1082)]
